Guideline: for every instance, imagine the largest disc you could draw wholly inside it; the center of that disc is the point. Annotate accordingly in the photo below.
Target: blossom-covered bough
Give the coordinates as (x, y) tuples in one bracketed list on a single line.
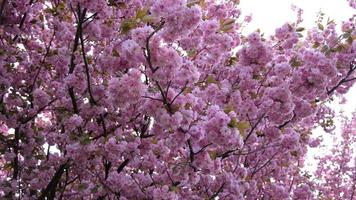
[(166, 99)]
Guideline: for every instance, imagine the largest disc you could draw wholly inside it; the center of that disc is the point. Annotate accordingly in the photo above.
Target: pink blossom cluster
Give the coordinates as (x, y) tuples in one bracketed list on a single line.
[(167, 99)]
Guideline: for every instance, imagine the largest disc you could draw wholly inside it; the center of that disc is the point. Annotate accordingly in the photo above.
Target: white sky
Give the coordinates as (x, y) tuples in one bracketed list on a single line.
[(270, 14)]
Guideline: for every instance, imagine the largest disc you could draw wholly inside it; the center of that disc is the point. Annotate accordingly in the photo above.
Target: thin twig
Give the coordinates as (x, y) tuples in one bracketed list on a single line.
[(254, 127)]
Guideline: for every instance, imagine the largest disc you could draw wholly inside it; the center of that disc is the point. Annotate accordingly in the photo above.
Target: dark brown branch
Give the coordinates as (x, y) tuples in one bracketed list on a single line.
[(122, 166), (345, 79), (50, 190), (16, 152), (147, 52), (80, 18), (76, 39), (287, 122), (102, 121), (86, 66), (90, 17), (107, 167), (2, 8), (191, 152), (203, 148), (25, 120), (74, 101), (350, 79), (265, 164), (179, 93), (152, 98), (227, 153)]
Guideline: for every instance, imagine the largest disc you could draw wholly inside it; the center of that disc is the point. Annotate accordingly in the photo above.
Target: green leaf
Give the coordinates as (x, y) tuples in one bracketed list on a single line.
[(195, 2), (227, 25), (149, 19), (127, 25), (320, 26), (242, 126), (300, 29), (191, 53), (84, 140), (213, 155), (140, 13), (295, 62), (316, 45), (232, 60), (174, 189), (83, 186), (187, 90), (228, 109), (115, 53), (211, 79), (346, 35)]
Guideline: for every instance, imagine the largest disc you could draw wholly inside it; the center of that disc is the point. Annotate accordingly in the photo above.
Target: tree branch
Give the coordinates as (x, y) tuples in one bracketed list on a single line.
[(23, 18), (42, 62), (254, 127), (345, 79), (122, 166), (2, 8), (217, 192), (287, 122), (147, 52), (50, 190), (86, 66)]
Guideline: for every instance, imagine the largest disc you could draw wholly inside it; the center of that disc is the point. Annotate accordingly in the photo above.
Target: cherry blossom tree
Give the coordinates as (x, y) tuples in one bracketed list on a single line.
[(167, 99), (336, 173)]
